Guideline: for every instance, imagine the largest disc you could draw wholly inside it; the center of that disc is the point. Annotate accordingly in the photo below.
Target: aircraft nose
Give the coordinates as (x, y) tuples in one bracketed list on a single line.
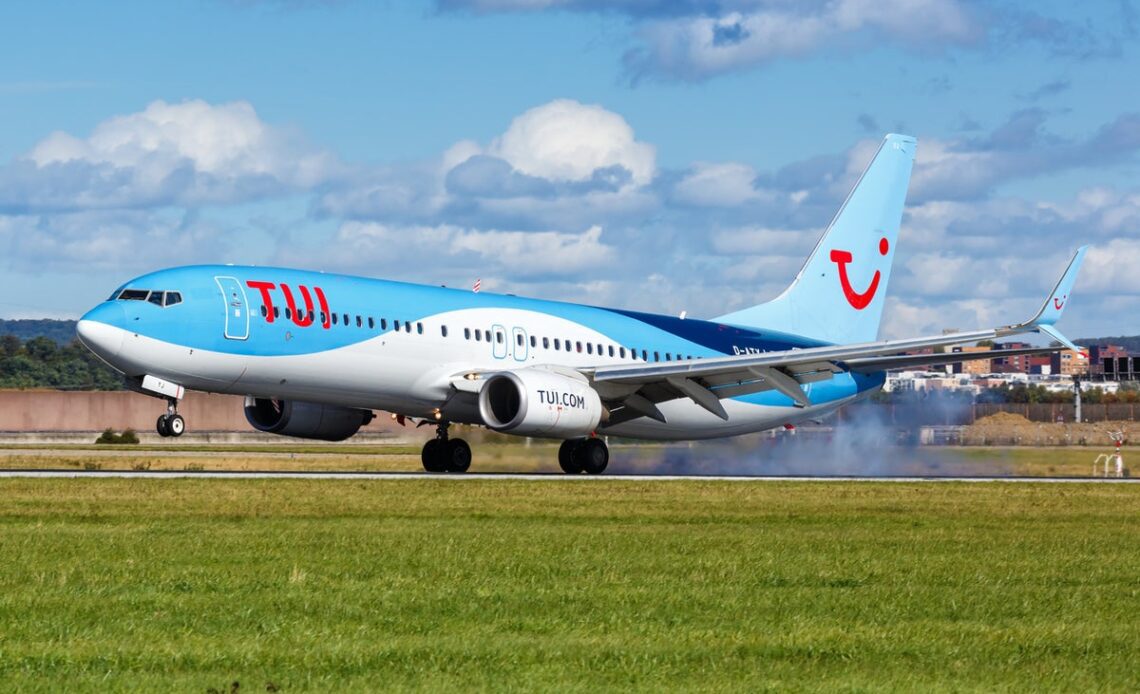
[(100, 329)]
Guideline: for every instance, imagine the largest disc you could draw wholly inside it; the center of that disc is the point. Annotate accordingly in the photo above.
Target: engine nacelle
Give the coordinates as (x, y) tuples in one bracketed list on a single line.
[(305, 420), (535, 402)]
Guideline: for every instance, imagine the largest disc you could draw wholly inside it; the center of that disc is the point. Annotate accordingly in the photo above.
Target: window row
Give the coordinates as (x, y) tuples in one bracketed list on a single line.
[(345, 319), (568, 345), (479, 335)]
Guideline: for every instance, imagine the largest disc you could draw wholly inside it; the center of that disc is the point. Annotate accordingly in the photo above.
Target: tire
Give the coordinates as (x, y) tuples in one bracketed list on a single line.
[(458, 456), (176, 425), (162, 426), (432, 456), (593, 455), (567, 460)]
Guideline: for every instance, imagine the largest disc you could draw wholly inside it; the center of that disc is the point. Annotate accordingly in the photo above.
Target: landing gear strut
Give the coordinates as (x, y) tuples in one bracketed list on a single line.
[(442, 454), (583, 455), (171, 423)]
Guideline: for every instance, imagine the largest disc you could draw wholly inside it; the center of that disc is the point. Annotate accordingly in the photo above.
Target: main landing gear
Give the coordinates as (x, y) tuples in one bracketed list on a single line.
[(442, 454), (171, 423), (584, 455)]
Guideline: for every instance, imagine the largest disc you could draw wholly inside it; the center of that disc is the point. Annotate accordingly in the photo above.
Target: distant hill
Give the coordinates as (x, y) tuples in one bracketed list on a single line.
[(61, 332)]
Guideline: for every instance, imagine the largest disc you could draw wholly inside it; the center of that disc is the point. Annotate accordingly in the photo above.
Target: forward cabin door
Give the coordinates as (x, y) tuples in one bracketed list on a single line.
[(237, 309)]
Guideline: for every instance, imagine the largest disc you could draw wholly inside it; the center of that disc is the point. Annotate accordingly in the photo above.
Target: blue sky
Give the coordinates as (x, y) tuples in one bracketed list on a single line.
[(662, 156)]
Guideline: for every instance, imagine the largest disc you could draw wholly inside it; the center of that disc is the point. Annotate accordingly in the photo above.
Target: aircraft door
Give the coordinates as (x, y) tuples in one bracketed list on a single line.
[(237, 309), (518, 344), (499, 345)]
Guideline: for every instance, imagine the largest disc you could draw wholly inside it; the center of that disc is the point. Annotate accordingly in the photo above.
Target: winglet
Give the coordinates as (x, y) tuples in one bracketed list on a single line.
[(1055, 304)]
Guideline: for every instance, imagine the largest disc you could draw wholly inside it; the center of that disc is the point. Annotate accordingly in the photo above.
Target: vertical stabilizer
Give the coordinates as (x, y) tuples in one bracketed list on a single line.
[(838, 294)]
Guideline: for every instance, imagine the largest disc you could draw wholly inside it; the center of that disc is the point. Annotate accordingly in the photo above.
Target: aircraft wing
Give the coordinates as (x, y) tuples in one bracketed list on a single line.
[(634, 390)]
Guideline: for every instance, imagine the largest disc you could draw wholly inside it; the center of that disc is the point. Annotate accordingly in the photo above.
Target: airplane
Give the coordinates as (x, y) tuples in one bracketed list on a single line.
[(316, 355)]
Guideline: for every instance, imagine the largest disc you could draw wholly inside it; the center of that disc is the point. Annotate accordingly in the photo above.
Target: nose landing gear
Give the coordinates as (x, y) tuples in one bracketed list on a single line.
[(442, 454), (171, 423)]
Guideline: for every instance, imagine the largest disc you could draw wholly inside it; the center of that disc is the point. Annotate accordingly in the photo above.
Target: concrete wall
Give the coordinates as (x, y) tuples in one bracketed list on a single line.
[(52, 410)]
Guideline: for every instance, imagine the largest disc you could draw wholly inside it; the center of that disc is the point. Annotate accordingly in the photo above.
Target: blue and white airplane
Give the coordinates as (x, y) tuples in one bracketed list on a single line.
[(316, 354)]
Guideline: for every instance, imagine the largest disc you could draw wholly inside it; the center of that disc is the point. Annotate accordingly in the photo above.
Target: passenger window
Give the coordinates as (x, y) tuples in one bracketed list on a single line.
[(519, 340), (288, 313), (408, 326), (172, 298), (134, 295), (478, 335), (264, 312), (557, 343), (589, 348), (359, 322), (569, 347), (579, 346), (345, 320), (396, 325), (644, 355), (621, 351), (656, 356), (668, 357), (383, 323), (499, 338), (276, 311), (467, 333), (533, 341), (443, 330), (611, 350), (546, 343), (371, 323), (334, 319), (420, 328)]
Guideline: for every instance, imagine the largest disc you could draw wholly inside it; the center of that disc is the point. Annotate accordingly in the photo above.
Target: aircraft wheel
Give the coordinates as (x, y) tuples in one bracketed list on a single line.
[(432, 456), (457, 455), (162, 426), (593, 455), (176, 425), (567, 460)]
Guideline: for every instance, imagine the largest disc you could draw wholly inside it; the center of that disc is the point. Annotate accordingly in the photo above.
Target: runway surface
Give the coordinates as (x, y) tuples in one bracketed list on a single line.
[(535, 477)]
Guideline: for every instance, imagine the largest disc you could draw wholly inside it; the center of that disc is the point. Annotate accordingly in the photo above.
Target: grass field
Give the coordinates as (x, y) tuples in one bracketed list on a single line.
[(192, 585), (749, 456)]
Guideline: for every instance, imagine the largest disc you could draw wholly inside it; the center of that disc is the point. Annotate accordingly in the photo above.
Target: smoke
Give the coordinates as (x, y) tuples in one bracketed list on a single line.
[(865, 440)]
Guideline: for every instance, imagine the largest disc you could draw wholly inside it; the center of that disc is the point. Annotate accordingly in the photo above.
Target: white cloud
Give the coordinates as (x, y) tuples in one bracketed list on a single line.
[(516, 253), (710, 184), (568, 141), (191, 152), (696, 45), (123, 241)]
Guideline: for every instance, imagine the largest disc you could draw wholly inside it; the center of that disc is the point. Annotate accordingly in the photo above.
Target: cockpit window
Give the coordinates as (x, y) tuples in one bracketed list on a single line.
[(158, 298)]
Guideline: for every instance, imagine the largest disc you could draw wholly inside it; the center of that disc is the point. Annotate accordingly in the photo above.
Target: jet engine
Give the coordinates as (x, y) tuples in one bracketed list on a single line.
[(536, 402), (305, 420)]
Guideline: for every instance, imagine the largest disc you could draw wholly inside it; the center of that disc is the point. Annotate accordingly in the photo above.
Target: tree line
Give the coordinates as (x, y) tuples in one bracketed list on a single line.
[(41, 362)]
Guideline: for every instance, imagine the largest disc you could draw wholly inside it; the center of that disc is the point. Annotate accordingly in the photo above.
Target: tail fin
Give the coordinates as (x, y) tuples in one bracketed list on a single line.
[(839, 293)]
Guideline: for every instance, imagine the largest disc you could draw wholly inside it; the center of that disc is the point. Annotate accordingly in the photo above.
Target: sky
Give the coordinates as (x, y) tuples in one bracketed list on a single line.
[(658, 156)]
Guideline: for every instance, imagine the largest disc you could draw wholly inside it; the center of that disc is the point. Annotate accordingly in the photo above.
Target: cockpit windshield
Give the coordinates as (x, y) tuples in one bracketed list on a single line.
[(158, 298)]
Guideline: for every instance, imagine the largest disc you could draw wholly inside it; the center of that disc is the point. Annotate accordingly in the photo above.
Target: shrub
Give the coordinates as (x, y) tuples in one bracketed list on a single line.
[(110, 437)]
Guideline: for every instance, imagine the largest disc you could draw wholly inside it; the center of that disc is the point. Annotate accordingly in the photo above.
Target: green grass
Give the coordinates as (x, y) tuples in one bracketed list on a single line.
[(187, 585)]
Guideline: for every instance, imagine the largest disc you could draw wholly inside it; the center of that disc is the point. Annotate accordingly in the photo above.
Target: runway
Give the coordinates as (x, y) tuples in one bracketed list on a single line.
[(531, 477)]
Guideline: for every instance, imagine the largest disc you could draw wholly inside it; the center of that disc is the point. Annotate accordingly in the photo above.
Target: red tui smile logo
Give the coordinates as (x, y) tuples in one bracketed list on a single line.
[(858, 300), (1059, 303)]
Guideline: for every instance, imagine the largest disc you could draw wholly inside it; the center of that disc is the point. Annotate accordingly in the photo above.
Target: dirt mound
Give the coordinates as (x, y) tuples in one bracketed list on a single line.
[(1003, 419)]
